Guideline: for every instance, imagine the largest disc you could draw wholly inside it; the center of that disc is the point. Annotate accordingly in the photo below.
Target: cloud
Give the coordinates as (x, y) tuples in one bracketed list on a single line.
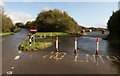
[(19, 16), (1, 3), (47, 9), (61, 0)]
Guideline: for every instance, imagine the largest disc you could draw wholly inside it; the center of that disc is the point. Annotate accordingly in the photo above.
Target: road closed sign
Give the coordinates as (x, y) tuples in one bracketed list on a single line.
[(33, 29)]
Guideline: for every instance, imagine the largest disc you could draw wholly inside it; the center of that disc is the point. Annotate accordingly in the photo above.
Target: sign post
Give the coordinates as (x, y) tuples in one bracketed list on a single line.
[(33, 30)]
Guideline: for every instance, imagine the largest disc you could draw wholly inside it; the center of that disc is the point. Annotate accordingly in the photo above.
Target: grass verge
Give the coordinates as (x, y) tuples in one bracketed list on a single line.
[(40, 44), (49, 34), (6, 33), (53, 34)]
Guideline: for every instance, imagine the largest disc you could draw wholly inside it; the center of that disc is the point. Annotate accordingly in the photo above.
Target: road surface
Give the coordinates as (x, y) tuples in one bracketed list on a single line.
[(64, 62)]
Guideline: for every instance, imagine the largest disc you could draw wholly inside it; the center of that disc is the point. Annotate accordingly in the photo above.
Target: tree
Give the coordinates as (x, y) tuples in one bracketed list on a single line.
[(29, 24), (20, 24), (114, 25), (56, 21), (7, 23)]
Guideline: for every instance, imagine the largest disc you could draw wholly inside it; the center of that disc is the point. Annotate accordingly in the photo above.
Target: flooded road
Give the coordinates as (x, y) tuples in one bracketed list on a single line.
[(65, 62), (10, 48)]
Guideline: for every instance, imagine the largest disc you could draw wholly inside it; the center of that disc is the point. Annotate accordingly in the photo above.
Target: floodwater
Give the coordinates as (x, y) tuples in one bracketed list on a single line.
[(48, 62)]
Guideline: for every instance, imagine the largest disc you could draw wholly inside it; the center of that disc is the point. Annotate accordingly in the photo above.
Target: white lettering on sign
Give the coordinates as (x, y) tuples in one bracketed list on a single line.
[(33, 30)]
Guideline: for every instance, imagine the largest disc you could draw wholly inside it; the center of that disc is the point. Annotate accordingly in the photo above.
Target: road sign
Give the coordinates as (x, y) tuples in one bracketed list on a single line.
[(102, 32), (33, 29)]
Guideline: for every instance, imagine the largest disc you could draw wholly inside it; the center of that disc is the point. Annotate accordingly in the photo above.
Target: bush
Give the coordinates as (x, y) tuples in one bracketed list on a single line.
[(114, 25), (56, 21)]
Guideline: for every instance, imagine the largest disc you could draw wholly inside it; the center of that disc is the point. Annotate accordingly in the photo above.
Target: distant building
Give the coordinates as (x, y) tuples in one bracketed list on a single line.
[(119, 5)]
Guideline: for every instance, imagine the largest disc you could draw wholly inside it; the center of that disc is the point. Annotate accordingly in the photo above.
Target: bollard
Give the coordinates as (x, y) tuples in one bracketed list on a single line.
[(97, 45), (76, 58), (51, 34), (30, 40), (57, 44), (75, 42), (44, 35), (40, 36)]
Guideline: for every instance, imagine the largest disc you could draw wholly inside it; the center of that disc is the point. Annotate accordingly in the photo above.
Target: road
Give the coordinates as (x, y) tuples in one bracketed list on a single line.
[(64, 62)]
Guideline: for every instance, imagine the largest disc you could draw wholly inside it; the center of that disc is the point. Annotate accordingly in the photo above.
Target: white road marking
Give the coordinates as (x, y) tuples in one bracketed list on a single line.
[(63, 55), (94, 58), (9, 72), (76, 58), (12, 68), (88, 57), (17, 57), (20, 52), (101, 59), (47, 54), (115, 58), (55, 55), (108, 58), (52, 55)]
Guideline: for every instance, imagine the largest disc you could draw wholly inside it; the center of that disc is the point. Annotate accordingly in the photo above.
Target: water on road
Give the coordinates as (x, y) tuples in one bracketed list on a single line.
[(64, 62)]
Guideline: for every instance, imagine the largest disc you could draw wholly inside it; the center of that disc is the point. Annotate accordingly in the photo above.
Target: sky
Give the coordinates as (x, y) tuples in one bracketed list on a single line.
[(89, 14)]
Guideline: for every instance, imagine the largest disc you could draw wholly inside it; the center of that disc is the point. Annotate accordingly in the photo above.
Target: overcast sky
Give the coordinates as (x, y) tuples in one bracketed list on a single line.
[(89, 14)]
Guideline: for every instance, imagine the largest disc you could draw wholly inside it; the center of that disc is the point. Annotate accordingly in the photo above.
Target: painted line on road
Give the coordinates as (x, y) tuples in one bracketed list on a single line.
[(61, 57), (58, 55), (108, 58), (52, 55), (19, 52), (100, 56), (17, 57), (9, 72), (12, 68), (47, 54)]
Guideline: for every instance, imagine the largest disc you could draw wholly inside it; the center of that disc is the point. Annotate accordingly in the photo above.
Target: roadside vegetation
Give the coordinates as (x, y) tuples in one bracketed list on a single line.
[(50, 23), (55, 21), (7, 33), (7, 25), (49, 34), (114, 28), (38, 45)]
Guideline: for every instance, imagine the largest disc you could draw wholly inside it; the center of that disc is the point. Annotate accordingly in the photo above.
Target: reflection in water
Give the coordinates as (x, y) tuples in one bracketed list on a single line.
[(96, 59), (76, 57)]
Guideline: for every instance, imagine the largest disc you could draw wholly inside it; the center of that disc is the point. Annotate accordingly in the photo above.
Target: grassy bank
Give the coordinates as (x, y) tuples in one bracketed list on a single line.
[(17, 30), (6, 33), (40, 44), (53, 34), (10, 33), (49, 34)]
